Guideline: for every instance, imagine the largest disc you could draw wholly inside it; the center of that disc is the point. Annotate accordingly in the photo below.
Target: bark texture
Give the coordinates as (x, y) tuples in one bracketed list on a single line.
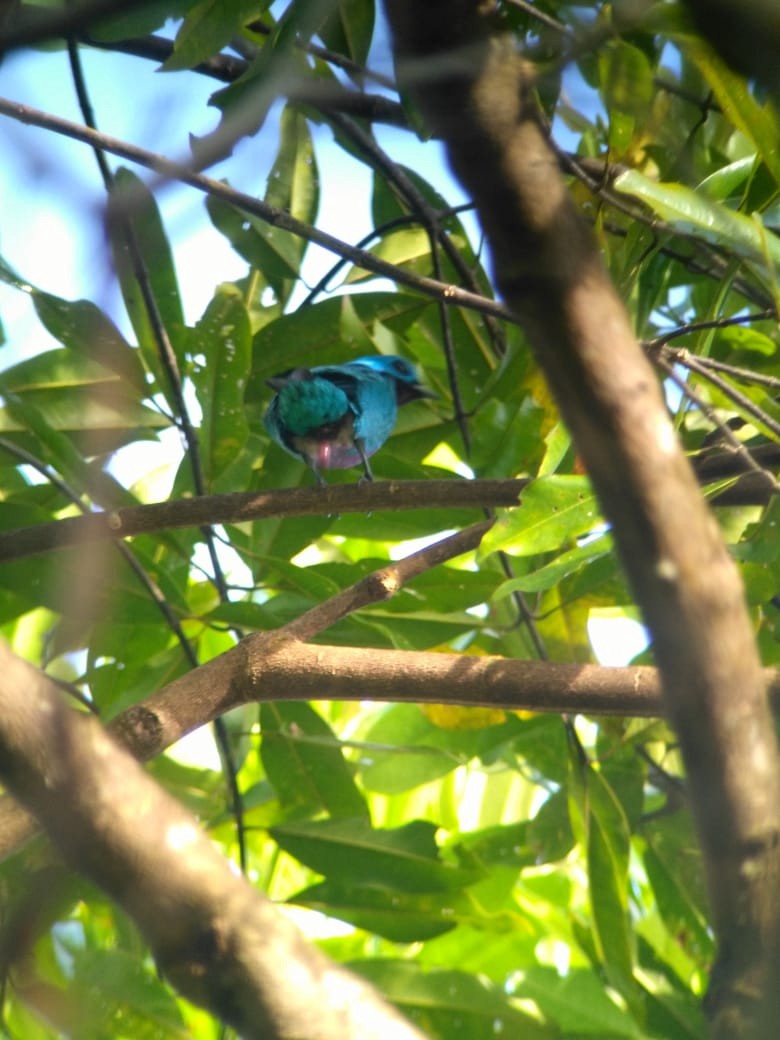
[(474, 90), (221, 943)]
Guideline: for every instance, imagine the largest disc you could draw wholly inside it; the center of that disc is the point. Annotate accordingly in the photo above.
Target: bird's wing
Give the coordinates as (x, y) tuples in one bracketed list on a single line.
[(348, 378)]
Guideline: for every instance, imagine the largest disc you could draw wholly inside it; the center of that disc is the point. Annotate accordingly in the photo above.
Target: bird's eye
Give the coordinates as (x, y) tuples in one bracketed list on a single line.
[(402, 368)]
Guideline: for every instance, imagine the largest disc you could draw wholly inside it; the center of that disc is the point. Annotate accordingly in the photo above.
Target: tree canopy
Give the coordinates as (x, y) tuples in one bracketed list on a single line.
[(427, 782)]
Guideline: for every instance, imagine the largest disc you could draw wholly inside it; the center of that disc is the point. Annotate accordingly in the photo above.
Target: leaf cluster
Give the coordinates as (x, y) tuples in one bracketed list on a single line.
[(489, 872)]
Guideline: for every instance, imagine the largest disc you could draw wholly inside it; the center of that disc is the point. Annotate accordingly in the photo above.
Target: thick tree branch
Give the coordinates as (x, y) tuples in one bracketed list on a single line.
[(267, 667), (31, 23), (277, 665), (224, 945), (475, 91)]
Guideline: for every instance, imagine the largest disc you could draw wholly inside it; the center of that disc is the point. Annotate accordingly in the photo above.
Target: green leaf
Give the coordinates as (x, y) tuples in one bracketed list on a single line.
[(675, 869), (63, 393), (449, 589), (133, 207), (758, 122), (578, 1003), (551, 574), (251, 95), (26, 585), (549, 833), (294, 183), (449, 1004), (10, 277), (293, 186), (207, 27), (303, 760), (608, 842), (83, 327), (264, 247), (138, 20), (222, 338), (142, 1002), (52, 447), (540, 744), (746, 342), (627, 85), (409, 248), (349, 29), (404, 749), (504, 845), (553, 511), (689, 210), (405, 859), (724, 183), (407, 917), (627, 77)]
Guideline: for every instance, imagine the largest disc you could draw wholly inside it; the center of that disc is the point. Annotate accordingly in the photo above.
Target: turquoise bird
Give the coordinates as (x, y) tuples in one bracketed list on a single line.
[(337, 416)]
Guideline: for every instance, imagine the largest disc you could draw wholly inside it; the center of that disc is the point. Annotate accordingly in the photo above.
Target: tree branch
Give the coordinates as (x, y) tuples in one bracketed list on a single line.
[(271, 665), (475, 91), (325, 96), (220, 942), (34, 23), (241, 506), (267, 667), (178, 171), (392, 496)]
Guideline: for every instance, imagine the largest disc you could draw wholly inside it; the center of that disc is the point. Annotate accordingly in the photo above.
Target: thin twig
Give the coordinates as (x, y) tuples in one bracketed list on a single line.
[(740, 450), (693, 364), (324, 96), (745, 375), (178, 171), (715, 323), (429, 216), (341, 61), (170, 366), (384, 583), (540, 16)]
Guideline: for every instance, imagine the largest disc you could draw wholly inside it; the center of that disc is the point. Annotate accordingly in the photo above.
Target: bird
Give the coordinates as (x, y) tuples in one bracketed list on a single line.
[(337, 416)]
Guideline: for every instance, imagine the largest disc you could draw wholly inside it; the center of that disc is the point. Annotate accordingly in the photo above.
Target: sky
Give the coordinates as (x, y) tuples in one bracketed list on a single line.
[(62, 201), (51, 225)]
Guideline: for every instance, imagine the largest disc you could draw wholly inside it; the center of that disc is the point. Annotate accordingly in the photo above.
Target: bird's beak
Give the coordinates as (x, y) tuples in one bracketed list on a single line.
[(406, 392)]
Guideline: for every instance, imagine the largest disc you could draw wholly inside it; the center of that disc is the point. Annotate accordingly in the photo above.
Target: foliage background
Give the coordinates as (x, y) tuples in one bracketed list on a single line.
[(493, 872)]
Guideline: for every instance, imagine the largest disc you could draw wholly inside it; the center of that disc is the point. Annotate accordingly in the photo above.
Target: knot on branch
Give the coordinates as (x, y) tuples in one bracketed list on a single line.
[(383, 584), (140, 730)]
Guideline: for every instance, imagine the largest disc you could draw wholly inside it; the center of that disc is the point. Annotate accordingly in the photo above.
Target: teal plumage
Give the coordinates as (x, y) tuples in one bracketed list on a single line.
[(337, 416)]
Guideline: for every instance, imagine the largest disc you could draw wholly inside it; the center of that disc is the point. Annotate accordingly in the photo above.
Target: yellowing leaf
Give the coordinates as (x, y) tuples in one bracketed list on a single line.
[(455, 716)]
